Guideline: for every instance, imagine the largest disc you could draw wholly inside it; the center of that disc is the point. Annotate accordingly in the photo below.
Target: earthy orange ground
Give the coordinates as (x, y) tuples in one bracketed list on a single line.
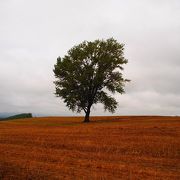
[(107, 148)]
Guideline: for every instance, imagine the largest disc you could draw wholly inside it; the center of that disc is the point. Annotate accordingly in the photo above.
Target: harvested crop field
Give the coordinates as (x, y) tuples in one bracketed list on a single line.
[(124, 147)]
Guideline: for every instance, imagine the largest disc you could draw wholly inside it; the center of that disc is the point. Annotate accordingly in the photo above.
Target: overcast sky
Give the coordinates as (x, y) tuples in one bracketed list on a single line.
[(33, 33)]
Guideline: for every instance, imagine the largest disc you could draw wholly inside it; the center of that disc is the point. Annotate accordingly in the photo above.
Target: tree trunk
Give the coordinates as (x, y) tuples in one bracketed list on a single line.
[(86, 119)]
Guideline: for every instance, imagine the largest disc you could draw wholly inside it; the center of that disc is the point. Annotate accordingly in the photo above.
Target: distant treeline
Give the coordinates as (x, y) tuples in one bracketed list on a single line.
[(18, 116)]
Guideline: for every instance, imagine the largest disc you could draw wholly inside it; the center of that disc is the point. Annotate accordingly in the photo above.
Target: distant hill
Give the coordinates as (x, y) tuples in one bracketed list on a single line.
[(4, 115), (18, 116)]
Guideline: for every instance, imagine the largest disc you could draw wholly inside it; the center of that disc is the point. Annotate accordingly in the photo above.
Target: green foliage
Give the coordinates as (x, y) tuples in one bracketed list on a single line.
[(88, 72)]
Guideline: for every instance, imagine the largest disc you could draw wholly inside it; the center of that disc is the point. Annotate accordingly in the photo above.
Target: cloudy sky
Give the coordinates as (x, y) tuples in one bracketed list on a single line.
[(33, 33)]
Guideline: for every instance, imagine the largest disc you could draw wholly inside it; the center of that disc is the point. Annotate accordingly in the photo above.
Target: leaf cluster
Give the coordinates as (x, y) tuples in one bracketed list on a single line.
[(88, 71)]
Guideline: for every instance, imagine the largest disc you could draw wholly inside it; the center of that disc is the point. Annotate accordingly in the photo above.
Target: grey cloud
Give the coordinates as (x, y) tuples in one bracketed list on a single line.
[(34, 33)]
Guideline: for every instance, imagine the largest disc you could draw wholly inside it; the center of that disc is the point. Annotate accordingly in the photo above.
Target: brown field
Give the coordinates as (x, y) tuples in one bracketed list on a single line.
[(126, 147)]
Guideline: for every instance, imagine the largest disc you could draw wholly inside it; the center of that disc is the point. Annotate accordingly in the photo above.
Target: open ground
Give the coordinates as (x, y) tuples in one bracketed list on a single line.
[(116, 147)]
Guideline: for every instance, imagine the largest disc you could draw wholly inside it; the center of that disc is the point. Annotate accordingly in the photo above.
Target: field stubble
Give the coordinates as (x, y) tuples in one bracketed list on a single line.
[(125, 147)]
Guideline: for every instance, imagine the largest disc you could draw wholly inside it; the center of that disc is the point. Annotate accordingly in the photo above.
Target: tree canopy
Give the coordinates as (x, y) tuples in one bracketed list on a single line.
[(89, 74)]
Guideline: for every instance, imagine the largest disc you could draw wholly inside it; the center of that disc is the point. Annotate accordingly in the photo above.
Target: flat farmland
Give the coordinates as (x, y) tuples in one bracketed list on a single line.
[(115, 147)]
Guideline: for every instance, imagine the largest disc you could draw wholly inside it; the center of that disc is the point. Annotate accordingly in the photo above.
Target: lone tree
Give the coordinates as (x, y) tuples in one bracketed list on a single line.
[(86, 74)]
